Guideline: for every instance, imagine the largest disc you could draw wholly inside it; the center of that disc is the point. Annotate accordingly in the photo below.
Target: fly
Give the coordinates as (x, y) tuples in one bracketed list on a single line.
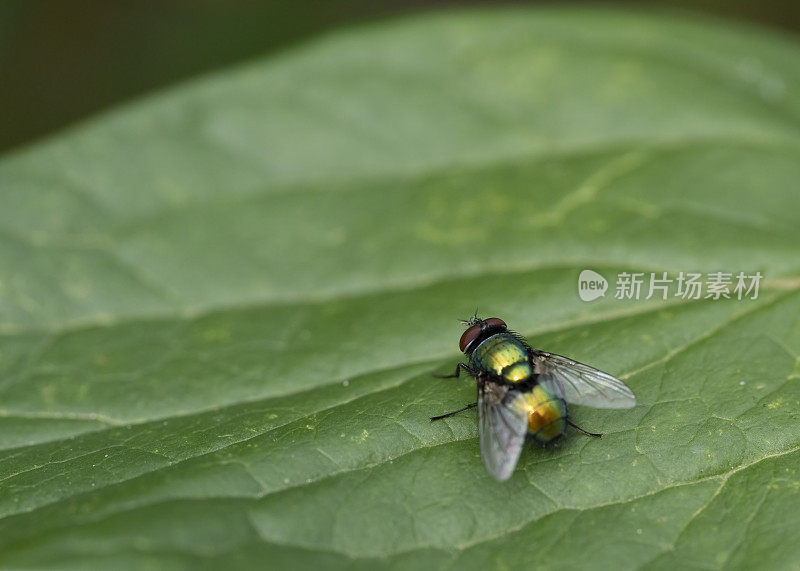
[(523, 392)]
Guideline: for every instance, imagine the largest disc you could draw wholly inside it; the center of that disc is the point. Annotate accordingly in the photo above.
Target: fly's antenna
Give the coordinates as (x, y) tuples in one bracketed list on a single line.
[(472, 320)]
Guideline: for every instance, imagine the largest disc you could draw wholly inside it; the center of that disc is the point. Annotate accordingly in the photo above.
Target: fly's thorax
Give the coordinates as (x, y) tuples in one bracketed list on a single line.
[(547, 414), (503, 355)]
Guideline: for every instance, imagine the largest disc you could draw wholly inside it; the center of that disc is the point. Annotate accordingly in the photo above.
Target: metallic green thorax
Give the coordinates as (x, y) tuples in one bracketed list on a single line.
[(505, 356)]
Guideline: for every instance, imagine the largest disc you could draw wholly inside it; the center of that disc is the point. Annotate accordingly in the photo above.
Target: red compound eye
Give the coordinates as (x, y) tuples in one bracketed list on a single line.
[(495, 322), (469, 336)]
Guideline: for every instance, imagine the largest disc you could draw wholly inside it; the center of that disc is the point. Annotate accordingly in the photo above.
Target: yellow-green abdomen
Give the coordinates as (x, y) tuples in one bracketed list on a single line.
[(505, 356), (547, 414)]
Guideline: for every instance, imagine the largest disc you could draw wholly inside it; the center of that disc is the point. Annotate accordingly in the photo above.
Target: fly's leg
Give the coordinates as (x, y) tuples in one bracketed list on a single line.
[(455, 375), (458, 371), (576, 427), (441, 416)]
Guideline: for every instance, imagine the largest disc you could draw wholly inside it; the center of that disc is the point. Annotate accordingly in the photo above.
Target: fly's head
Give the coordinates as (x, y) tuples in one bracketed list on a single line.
[(477, 329)]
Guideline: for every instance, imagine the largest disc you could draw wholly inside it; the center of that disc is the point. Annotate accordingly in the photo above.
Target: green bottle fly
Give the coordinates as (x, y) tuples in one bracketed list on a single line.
[(523, 392)]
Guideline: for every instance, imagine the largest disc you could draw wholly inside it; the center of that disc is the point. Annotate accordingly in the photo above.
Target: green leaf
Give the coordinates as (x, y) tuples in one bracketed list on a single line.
[(220, 306)]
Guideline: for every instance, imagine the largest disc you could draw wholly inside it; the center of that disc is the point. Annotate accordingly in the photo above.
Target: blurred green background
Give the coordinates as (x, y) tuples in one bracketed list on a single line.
[(61, 61)]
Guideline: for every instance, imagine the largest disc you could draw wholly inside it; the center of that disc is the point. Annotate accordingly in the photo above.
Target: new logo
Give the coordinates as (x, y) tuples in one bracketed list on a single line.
[(591, 285)]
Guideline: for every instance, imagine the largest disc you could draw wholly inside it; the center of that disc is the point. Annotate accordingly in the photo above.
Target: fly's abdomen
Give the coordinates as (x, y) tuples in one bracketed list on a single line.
[(503, 355), (547, 414)]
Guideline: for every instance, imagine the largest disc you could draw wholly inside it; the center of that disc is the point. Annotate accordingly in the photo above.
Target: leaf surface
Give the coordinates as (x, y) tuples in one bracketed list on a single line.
[(219, 307)]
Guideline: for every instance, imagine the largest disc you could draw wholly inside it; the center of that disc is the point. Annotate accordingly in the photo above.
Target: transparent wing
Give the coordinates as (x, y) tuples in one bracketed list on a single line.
[(502, 424), (581, 384)]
